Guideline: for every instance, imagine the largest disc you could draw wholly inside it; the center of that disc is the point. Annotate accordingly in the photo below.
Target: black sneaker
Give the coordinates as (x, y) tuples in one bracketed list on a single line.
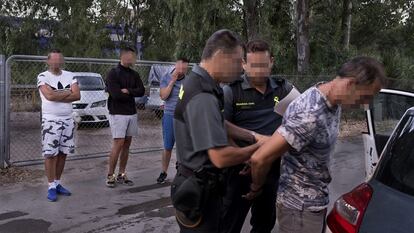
[(110, 181), (161, 178), (123, 179)]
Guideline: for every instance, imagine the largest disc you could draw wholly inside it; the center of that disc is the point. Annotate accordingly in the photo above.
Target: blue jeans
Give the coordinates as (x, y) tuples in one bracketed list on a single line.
[(168, 131)]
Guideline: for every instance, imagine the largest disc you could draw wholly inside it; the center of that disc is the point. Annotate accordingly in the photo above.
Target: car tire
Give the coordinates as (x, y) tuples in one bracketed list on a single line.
[(79, 125), (105, 124)]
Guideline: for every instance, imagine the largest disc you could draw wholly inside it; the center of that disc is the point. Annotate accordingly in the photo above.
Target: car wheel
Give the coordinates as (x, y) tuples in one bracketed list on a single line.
[(105, 124), (79, 125)]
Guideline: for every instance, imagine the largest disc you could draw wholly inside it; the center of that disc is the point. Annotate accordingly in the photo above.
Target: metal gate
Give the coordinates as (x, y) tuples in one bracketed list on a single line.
[(3, 140), (20, 137)]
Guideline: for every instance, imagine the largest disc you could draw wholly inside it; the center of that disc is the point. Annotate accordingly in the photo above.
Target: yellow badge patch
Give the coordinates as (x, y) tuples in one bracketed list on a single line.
[(181, 94), (276, 99)]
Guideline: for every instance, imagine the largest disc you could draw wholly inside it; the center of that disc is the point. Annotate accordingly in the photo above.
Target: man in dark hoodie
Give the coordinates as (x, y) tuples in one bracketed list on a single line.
[(123, 84)]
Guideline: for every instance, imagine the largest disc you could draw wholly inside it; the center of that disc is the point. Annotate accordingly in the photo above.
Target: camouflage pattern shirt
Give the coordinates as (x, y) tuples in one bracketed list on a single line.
[(310, 125)]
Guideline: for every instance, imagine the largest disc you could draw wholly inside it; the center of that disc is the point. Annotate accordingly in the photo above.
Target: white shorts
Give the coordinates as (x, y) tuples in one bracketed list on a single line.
[(123, 125), (58, 136)]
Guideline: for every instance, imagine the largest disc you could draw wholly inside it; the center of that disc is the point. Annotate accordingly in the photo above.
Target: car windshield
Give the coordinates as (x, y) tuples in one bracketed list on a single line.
[(90, 83), (397, 168)]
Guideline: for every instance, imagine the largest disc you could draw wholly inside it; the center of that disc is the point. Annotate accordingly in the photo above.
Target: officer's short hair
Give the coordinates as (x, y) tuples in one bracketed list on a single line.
[(183, 59), (223, 39), (257, 45), (53, 51), (128, 49), (364, 69)]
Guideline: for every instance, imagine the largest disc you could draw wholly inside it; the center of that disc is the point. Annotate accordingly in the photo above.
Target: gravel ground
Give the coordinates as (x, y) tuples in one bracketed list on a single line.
[(351, 128), (90, 140), (13, 175)]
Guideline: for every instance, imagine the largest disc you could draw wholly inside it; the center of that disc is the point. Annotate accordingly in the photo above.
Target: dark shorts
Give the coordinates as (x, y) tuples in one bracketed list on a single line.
[(168, 131)]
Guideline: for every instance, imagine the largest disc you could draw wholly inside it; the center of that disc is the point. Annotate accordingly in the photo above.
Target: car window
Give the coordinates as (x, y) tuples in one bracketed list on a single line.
[(397, 168), (388, 110), (90, 83)]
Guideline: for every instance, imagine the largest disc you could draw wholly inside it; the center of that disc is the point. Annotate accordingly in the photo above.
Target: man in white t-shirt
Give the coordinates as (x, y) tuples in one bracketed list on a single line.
[(58, 88)]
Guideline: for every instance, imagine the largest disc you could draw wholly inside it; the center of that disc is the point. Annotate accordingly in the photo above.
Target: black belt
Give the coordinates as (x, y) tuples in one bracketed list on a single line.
[(202, 172), (185, 171)]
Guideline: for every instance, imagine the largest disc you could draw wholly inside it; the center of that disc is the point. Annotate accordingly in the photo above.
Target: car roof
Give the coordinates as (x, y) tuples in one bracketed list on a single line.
[(397, 92), (400, 92), (87, 74)]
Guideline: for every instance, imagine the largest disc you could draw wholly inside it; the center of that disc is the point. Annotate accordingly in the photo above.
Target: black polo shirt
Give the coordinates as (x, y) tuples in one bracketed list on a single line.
[(247, 108), (202, 127)]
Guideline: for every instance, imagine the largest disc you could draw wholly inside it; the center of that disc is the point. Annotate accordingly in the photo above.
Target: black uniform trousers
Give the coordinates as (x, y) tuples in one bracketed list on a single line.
[(263, 207)]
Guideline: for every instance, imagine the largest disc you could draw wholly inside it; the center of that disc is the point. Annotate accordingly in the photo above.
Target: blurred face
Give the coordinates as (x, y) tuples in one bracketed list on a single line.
[(128, 59), (228, 65), (55, 61), (352, 95), (181, 67), (258, 66)]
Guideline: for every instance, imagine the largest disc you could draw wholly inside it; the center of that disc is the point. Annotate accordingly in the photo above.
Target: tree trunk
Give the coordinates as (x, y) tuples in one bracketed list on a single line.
[(346, 23), (303, 50), (251, 18)]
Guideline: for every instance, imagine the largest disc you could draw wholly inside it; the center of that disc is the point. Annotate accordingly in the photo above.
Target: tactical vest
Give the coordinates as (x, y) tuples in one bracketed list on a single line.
[(242, 101), (192, 86)]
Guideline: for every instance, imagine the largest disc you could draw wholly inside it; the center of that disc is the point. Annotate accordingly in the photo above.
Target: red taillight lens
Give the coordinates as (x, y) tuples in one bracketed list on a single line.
[(346, 216)]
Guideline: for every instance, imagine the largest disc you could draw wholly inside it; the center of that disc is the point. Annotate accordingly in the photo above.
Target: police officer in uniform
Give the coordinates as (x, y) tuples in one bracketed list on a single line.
[(202, 143), (250, 103)]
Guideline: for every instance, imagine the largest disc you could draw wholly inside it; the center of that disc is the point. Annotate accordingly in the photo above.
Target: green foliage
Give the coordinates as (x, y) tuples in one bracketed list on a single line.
[(75, 28), (158, 31), (277, 27), (196, 20), (172, 28)]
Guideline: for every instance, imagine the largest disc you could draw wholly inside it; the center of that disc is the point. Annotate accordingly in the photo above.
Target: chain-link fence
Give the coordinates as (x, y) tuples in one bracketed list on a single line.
[(3, 139), (92, 134), (21, 137)]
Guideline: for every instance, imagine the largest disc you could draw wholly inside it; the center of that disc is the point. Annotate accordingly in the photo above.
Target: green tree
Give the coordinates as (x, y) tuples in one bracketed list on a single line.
[(196, 20), (74, 27), (302, 35), (80, 32), (278, 28)]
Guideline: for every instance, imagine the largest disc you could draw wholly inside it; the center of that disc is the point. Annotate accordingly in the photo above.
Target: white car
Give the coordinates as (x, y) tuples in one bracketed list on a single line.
[(383, 203), (92, 107), (382, 117)]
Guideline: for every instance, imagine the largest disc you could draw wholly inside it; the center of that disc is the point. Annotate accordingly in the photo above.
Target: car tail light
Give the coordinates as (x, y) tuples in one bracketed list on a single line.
[(348, 211)]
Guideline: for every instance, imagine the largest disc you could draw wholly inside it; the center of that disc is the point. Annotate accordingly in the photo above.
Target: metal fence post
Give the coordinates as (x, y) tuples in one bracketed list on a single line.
[(7, 87), (2, 111)]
